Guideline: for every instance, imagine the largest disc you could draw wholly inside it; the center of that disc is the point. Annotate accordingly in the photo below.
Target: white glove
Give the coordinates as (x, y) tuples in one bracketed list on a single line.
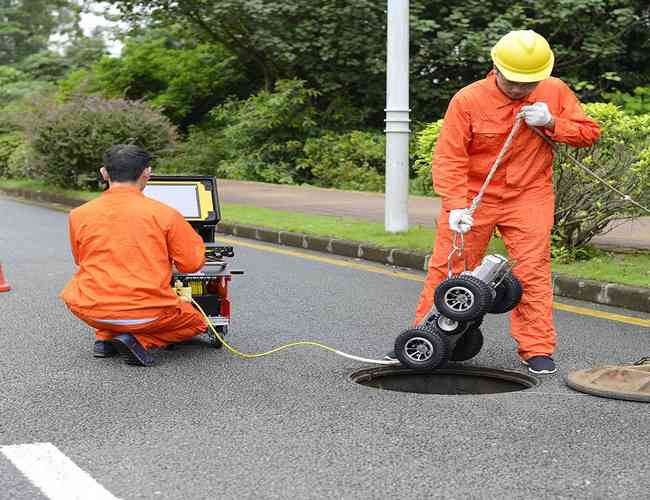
[(460, 220), (537, 115)]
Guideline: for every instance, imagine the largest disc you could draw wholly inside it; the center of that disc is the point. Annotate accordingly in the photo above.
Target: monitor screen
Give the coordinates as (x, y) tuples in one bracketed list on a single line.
[(182, 197)]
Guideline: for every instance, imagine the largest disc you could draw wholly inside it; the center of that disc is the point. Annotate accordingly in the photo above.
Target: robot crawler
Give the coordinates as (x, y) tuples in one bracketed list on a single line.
[(452, 332)]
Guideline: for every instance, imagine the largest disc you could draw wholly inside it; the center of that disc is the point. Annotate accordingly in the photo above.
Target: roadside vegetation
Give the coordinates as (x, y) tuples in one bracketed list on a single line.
[(293, 92), (628, 269)]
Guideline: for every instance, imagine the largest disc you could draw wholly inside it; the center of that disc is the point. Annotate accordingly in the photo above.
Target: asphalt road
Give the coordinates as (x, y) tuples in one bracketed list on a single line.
[(204, 424)]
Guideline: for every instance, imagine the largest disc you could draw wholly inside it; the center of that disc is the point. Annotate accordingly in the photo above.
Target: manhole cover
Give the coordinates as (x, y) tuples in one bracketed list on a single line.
[(629, 382), (449, 380)]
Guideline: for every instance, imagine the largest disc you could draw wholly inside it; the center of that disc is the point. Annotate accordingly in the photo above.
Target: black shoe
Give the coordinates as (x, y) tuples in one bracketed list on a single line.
[(131, 350), (390, 356), (104, 349), (541, 365)]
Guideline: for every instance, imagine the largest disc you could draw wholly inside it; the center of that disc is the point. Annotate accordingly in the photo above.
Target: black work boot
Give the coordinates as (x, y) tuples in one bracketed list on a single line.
[(541, 365), (104, 349), (131, 350)]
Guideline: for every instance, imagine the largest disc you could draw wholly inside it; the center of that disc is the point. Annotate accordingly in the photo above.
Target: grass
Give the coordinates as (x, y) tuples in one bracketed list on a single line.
[(418, 238), (42, 186), (615, 268), (611, 267)]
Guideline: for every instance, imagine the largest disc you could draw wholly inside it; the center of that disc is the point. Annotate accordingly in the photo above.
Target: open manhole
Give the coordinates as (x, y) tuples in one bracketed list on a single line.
[(449, 380)]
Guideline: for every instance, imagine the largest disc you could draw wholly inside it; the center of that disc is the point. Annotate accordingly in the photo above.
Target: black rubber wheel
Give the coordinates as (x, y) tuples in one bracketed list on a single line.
[(214, 341), (509, 293), (469, 345), (422, 348), (464, 298)]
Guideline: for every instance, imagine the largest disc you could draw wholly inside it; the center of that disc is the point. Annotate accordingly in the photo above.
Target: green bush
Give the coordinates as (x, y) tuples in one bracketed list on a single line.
[(637, 103), (262, 138), (9, 142), (20, 164), (281, 137), (584, 207), (184, 83), (15, 85), (68, 140), (201, 153), (425, 143), (353, 160)]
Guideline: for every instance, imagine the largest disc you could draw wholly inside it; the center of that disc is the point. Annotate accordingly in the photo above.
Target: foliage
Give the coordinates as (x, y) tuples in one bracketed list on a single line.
[(425, 143), (9, 142), (84, 51), (183, 82), (353, 160), (16, 91), (262, 137), (584, 206), (26, 25), (637, 103), (200, 153), (68, 140), (603, 42), (44, 66), (280, 137), (16, 85), (340, 47), (336, 47), (19, 164)]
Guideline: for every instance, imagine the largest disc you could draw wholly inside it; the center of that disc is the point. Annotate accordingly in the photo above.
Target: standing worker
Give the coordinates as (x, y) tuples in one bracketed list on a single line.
[(125, 245), (519, 200)]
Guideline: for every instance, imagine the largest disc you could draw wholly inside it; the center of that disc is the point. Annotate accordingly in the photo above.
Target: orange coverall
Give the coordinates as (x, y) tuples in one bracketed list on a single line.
[(519, 200), (125, 244)]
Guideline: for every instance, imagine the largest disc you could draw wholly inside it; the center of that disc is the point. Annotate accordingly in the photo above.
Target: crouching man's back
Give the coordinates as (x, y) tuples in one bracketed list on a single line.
[(125, 245)]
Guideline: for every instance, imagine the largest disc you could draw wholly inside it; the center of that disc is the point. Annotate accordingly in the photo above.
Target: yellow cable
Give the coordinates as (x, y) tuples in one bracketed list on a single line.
[(308, 343)]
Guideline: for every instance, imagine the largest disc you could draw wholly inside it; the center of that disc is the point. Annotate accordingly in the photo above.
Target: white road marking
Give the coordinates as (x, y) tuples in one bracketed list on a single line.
[(53, 473)]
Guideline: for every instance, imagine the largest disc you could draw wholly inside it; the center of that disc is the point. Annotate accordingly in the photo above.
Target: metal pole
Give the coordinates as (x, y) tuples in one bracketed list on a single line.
[(397, 117)]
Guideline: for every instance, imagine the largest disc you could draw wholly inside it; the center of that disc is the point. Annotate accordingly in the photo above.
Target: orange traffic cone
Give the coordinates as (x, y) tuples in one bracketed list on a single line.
[(4, 286)]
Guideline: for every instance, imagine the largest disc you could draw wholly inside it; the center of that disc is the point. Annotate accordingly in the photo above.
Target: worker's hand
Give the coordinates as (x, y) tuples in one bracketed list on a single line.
[(460, 220), (537, 115)]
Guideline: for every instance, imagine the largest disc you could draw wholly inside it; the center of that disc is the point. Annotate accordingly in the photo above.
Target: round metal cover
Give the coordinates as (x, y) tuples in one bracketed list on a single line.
[(629, 382)]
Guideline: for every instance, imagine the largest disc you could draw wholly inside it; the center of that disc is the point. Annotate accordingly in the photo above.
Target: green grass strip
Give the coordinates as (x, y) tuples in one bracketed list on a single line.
[(614, 268), (42, 186)]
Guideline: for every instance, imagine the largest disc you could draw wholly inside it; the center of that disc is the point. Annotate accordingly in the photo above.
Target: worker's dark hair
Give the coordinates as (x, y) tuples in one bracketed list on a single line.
[(126, 162)]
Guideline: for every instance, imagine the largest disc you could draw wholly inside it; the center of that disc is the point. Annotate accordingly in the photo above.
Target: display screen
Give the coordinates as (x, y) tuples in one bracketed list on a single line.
[(182, 197)]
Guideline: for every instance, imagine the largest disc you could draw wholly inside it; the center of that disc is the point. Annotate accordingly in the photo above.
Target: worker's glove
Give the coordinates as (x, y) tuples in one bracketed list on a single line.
[(460, 220), (537, 115)]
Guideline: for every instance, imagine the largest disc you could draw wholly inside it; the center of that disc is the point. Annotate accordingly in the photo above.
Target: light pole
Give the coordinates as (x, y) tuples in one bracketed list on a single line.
[(397, 117)]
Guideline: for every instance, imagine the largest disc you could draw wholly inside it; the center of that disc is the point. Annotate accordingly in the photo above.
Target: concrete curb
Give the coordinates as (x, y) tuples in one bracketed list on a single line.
[(610, 294)]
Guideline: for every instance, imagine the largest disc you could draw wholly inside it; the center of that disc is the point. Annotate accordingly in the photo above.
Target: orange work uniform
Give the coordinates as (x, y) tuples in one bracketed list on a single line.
[(125, 245), (519, 200)]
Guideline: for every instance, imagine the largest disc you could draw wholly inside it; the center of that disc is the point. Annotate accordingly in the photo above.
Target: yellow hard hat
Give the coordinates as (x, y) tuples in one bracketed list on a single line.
[(523, 56)]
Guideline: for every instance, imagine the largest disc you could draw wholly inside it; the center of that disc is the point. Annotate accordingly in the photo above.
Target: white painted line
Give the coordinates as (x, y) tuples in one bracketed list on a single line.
[(53, 473)]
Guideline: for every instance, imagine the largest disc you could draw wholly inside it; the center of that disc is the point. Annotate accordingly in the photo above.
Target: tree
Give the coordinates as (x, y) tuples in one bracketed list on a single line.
[(44, 66), (338, 46), (84, 51), (598, 44), (183, 81), (26, 25)]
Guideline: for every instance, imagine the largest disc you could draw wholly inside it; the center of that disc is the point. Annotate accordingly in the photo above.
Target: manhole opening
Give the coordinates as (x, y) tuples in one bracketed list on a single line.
[(445, 381)]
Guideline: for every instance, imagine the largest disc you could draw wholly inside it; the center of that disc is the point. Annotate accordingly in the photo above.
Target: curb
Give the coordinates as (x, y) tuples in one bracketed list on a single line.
[(609, 294)]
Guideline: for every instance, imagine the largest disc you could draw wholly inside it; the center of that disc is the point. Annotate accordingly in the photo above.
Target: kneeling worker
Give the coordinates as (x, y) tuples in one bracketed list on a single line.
[(125, 245), (519, 200)]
